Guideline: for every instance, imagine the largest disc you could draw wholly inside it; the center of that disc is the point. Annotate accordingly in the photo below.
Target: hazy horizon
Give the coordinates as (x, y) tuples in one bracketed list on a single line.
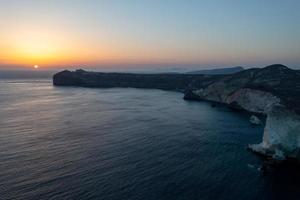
[(146, 34), (133, 68)]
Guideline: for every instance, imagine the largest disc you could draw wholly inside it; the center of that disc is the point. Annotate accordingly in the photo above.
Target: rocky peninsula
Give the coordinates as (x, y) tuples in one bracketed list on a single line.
[(273, 91)]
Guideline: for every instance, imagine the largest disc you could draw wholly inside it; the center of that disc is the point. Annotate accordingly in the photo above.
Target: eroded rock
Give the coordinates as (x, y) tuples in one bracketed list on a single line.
[(281, 138), (255, 120)]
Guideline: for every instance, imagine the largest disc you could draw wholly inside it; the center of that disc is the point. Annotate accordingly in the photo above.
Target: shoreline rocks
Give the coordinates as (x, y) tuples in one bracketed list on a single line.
[(281, 138), (255, 120), (273, 91)]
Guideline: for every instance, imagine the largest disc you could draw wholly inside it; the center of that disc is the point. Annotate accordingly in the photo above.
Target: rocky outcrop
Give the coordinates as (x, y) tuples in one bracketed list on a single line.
[(256, 101), (253, 100), (255, 90), (281, 137), (273, 91), (255, 120)]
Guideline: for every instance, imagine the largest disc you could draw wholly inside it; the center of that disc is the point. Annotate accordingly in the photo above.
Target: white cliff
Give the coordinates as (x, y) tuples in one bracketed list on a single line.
[(281, 138), (255, 120), (248, 99), (254, 100)]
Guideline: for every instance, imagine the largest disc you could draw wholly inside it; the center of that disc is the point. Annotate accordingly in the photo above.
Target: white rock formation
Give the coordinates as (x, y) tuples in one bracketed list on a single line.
[(254, 100), (281, 137), (249, 99), (255, 120)]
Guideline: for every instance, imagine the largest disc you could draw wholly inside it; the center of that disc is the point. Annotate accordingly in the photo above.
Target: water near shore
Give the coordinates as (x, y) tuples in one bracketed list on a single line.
[(112, 144)]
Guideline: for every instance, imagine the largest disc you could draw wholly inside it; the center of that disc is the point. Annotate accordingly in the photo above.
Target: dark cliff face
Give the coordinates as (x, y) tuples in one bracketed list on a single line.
[(179, 82), (66, 78), (282, 82), (229, 70)]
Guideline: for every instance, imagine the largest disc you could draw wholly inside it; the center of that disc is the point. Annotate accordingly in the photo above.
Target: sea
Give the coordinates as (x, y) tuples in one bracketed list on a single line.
[(128, 144)]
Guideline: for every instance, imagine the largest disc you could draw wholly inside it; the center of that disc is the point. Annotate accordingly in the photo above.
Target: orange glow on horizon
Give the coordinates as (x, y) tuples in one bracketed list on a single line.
[(52, 48), (57, 48)]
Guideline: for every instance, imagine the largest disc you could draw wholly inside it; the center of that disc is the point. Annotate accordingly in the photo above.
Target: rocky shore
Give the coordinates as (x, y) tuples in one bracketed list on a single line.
[(273, 91)]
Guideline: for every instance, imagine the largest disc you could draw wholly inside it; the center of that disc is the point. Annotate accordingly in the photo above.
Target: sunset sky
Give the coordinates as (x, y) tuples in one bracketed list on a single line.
[(60, 33)]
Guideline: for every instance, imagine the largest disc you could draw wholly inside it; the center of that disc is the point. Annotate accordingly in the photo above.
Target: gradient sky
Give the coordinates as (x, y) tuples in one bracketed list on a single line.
[(145, 33)]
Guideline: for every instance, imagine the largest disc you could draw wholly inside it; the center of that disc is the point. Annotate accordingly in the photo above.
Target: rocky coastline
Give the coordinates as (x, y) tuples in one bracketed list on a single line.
[(273, 91)]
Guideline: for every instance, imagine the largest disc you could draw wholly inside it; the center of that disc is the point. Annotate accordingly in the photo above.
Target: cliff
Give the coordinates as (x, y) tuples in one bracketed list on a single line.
[(281, 137), (273, 91)]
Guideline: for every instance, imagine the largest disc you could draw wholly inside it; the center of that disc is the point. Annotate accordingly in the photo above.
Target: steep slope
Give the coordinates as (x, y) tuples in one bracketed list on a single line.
[(275, 80), (229, 70)]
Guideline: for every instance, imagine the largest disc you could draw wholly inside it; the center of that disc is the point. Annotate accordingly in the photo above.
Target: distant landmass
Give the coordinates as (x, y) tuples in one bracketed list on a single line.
[(228, 70), (165, 81), (273, 91)]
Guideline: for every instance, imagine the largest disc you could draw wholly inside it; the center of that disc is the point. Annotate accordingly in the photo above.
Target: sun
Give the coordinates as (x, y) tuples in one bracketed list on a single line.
[(36, 66)]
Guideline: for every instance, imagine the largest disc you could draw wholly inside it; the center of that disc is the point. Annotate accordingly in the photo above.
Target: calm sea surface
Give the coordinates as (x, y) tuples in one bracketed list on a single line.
[(119, 144)]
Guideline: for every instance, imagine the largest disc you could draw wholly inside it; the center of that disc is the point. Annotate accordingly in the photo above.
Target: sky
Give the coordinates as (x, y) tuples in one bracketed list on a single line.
[(149, 33)]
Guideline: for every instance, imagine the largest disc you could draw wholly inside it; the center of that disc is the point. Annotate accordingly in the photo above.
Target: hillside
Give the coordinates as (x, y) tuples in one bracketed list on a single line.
[(229, 70)]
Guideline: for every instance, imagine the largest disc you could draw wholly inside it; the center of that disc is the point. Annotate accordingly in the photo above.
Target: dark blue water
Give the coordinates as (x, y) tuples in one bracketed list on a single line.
[(118, 144)]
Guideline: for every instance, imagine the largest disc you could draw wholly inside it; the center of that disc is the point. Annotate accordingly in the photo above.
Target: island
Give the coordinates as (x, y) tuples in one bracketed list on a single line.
[(273, 91)]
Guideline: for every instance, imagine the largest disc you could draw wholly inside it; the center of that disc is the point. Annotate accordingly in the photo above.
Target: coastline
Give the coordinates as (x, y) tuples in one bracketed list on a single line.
[(255, 90)]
